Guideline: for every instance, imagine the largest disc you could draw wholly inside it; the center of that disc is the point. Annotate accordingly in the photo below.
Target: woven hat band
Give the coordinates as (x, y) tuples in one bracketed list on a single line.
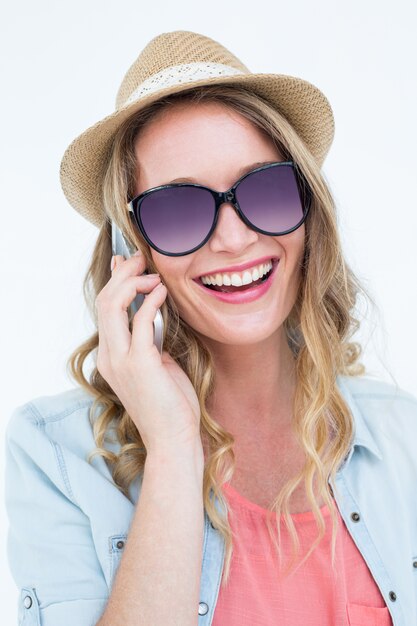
[(180, 74)]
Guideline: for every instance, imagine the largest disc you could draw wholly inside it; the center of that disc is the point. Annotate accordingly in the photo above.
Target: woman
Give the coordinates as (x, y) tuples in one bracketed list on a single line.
[(251, 474)]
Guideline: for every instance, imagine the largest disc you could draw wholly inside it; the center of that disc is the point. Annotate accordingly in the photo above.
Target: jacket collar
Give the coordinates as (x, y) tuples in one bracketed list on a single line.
[(362, 436)]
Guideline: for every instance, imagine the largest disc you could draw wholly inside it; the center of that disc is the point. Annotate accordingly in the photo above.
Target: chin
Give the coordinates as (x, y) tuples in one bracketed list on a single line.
[(240, 334)]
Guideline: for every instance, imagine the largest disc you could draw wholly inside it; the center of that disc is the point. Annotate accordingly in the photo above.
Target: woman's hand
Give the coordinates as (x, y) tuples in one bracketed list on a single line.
[(154, 390)]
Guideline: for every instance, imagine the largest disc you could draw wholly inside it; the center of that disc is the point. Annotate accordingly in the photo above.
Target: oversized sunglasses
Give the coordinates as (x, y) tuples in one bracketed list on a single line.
[(179, 218)]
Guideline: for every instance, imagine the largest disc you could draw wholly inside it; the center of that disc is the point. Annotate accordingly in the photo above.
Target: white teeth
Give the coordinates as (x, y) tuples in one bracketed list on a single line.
[(247, 278), (238, 279)]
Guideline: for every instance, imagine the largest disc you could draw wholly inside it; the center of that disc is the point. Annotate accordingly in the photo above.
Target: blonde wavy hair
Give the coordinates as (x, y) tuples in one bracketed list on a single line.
[(318, 330)]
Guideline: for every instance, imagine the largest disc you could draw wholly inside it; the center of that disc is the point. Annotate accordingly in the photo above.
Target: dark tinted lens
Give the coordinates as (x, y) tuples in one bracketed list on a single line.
[(270, 199), (177, 219)]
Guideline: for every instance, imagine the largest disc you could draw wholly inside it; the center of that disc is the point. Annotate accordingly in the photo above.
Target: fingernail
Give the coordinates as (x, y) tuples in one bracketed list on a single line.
[(151, 276), (112, 263), (138, 253)]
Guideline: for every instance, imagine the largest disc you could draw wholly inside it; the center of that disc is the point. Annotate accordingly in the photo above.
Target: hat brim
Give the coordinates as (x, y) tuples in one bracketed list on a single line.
[(304, 106)]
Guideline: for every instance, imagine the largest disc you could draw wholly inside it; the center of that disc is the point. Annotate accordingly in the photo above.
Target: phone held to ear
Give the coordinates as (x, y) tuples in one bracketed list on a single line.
[(121, 246)]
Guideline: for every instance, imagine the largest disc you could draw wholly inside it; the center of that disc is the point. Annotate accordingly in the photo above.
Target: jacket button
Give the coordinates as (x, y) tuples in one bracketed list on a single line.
[(202, 608), (355, 516), (414, 563), (120, 544), (392, 595), (27, 602)]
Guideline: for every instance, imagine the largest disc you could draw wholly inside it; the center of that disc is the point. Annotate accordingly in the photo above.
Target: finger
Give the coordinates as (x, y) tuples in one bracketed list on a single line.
[(103, 313), (122, 267), (116, 259), (121, 294), (131, 287), (142, 323), (113, 316)]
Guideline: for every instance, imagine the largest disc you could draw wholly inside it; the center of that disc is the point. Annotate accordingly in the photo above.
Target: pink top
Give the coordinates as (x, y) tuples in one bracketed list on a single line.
[(313, 595)]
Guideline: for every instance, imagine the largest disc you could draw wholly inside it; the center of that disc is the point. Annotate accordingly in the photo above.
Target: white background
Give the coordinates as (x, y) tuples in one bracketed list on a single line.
[(62, 63)]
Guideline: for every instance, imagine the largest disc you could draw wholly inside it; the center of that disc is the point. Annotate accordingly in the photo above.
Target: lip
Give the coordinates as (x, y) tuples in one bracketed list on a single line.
[(238, 268), (241, 297)]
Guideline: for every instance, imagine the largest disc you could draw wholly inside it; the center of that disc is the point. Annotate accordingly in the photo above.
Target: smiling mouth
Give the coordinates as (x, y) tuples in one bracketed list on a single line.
[(251, 285)]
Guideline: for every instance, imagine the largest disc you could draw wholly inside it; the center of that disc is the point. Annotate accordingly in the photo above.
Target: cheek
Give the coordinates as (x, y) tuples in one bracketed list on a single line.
[(162, 264), (294, 241), (293, 246), (171, 269)]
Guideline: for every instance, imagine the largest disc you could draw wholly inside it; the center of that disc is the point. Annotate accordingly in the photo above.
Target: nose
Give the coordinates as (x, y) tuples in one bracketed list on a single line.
[(231, 233)]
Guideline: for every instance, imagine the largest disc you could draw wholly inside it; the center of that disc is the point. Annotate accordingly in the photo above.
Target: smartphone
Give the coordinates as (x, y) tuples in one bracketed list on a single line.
[(121, 246)]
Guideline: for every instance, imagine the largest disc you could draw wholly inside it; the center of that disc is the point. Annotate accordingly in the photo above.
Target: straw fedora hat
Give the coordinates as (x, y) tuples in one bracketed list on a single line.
[(173, 62)]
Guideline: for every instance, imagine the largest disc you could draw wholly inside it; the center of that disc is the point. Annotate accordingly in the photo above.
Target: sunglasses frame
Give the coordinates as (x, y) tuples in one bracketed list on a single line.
[(220, 197)]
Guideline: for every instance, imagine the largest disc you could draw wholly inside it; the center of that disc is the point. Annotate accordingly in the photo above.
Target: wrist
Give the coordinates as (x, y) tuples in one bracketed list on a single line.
[(177, 455)]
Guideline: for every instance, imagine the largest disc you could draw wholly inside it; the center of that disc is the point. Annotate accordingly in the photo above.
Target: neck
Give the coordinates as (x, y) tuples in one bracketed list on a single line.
[(254, 386)]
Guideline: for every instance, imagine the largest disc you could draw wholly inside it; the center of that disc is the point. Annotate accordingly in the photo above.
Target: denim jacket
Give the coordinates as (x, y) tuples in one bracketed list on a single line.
[(68, 522)]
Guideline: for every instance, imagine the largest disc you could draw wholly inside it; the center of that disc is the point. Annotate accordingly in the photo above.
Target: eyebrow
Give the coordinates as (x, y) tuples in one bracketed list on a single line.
[(243, 170)]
